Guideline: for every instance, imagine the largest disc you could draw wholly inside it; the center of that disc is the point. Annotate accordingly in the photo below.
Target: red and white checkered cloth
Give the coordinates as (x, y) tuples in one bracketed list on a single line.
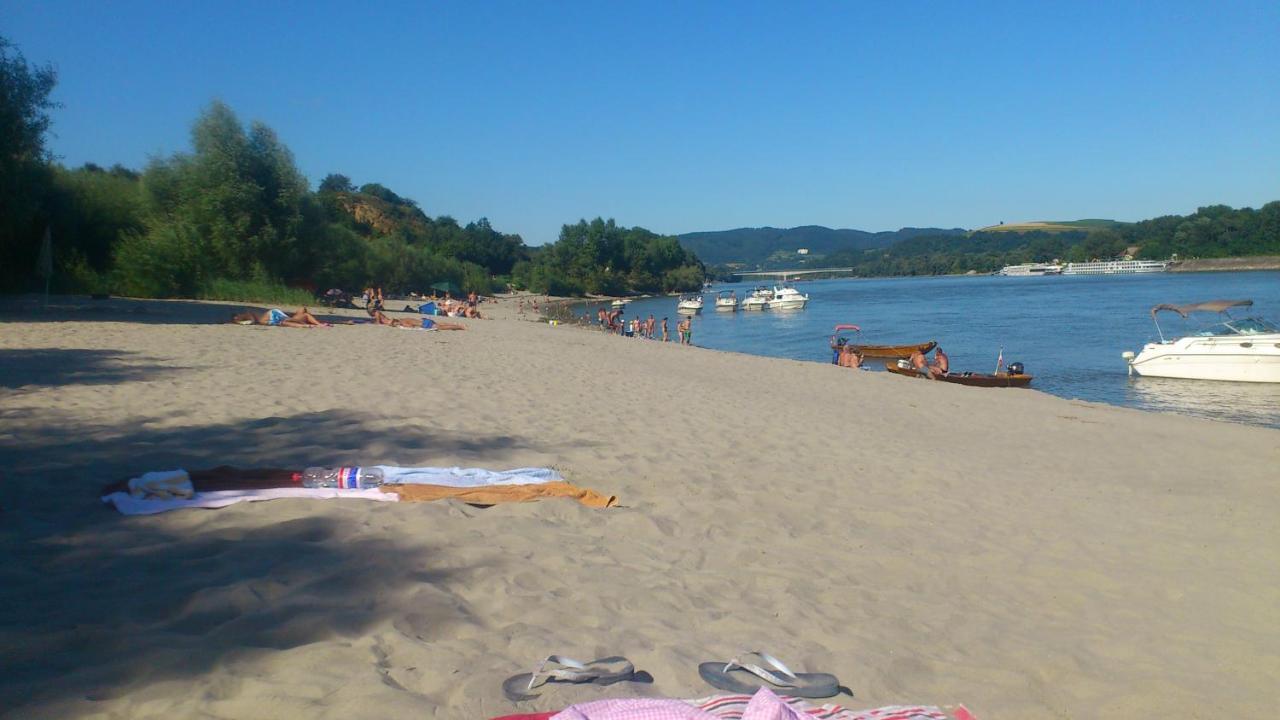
[(764, 705)]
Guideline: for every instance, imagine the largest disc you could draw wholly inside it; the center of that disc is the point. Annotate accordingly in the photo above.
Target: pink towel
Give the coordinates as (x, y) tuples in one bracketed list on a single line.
[(764, 705)]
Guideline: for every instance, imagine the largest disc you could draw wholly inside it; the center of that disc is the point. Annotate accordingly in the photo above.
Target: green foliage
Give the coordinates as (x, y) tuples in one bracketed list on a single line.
[(25, 178), (334, 182), (1215, 231), (599, 257), (755, 247), (257, 291)]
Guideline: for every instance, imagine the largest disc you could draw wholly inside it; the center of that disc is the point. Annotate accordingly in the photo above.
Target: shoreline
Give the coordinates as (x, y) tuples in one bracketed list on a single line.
[(853, 523)]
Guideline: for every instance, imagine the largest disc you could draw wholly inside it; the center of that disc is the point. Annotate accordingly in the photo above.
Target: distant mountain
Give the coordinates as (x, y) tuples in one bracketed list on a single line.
[(757, 246)]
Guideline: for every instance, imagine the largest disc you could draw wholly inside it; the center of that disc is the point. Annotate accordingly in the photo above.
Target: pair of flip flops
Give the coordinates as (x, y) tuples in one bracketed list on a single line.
[(734, 676)]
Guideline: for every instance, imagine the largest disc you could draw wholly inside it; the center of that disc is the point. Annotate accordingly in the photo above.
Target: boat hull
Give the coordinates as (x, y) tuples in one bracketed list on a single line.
[(969, 379), (787, 304), (726, 307), (1234, 359), (892, 351)]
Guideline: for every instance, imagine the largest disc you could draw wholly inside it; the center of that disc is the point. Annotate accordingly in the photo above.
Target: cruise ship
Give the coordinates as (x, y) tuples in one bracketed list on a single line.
[(1116, 267), (1028, 269)]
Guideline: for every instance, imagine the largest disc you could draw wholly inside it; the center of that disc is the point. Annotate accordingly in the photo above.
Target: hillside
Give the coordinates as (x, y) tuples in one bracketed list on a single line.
[(1052, 226), (757, 246)]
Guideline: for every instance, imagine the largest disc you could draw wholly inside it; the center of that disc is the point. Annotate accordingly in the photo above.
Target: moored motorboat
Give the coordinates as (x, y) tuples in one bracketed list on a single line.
[(1005, 379), (759, 299), (786, 297), (727, 300), (1243, 349), (689, 304), (619, 303)]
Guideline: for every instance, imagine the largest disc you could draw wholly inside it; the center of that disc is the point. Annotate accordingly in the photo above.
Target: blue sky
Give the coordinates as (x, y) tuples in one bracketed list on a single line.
[(700, 116)]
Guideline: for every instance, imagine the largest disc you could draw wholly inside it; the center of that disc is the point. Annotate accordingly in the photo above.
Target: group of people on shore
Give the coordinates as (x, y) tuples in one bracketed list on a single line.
[(612, 321)]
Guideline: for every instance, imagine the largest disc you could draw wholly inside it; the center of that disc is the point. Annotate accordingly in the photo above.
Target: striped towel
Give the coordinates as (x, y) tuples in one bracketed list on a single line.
[(731, 707)]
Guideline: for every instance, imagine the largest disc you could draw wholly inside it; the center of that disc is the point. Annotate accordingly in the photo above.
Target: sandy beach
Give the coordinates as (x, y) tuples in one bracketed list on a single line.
[(1028, 556)]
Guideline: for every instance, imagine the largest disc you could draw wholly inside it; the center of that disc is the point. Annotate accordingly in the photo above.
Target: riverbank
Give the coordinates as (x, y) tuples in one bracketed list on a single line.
[(1257, 262), (1026, 555)]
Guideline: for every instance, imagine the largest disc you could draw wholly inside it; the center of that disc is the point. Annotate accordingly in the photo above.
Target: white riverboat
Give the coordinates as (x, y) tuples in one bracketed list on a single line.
[(689, 304), (1116, 267), (726, 301), (1243, 349), (1031, 270), (786, 297), (759, 299)]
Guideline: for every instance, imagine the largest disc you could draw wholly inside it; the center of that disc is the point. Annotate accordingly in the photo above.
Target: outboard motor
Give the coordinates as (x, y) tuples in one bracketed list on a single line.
[(1015, 368)]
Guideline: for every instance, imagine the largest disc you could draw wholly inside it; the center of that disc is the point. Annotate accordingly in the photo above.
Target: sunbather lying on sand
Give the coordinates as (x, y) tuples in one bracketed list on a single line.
[(381, 318), (276, 316)]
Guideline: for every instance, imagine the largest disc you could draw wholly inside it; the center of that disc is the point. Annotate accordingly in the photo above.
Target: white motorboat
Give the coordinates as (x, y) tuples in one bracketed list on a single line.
[(1243, 349), (689, 304), (619, 303), (727, 300), (759, 299), (786, 297)]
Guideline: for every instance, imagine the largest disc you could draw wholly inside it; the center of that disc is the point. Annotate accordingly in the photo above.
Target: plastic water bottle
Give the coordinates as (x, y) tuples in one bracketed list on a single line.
[(345, 478)]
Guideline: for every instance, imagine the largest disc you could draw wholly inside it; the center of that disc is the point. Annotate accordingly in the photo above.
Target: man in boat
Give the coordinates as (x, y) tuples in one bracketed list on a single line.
[(920, 364), (941, 364)]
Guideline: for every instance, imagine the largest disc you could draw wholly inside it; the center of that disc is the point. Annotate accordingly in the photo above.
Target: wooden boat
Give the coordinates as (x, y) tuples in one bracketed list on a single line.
[(841, 343), (970, 379), (892, 351)]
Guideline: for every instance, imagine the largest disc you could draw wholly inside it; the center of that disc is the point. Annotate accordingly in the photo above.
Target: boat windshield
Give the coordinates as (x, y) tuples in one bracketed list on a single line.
[(1243, 326)]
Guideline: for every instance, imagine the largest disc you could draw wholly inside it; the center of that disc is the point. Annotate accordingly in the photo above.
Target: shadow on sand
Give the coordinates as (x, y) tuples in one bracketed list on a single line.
[(95, 606), (55, 367), (81, 308)]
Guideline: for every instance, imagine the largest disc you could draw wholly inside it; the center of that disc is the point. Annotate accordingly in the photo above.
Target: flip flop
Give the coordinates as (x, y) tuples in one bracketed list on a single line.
[(604, 671), (784, 682)]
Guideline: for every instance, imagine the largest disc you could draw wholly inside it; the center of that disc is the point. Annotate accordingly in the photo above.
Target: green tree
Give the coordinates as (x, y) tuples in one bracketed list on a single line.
[(24, 173), (334, 182)]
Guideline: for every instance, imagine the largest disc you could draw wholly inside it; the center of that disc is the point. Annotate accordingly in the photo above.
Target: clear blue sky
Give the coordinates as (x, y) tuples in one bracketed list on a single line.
[(699, 116)]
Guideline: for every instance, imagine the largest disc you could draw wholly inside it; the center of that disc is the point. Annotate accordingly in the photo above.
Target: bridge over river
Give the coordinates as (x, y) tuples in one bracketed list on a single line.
[(789, 274)]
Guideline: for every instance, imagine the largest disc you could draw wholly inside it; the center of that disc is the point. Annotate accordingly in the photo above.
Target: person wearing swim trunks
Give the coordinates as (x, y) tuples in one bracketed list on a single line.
[(278, 318)]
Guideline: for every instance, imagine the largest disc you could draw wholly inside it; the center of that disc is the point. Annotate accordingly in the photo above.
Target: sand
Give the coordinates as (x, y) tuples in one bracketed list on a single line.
[(1029, 556)]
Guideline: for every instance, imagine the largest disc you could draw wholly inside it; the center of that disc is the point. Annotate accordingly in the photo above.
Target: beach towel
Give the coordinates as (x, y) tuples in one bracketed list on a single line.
[(736, 707), (497, 494), (129, 505), (162, 485), (764, 705), (466, 477)]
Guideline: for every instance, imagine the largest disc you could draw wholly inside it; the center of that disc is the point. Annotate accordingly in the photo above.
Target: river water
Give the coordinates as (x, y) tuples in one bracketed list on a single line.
[(1068, 331)]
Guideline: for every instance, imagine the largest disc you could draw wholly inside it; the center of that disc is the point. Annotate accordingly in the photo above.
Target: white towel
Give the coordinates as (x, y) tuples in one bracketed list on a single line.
[(162, 485), (129, 505), (466, 477)]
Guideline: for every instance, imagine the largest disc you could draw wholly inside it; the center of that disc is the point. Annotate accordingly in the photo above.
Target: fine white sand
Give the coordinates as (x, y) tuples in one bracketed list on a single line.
[(1029, 556)]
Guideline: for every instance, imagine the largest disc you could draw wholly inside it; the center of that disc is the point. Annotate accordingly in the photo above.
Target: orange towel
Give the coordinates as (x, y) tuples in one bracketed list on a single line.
[(494, 494)]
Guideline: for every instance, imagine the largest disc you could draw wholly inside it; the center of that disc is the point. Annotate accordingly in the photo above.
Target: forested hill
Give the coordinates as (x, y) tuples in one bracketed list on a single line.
[(757, 246)]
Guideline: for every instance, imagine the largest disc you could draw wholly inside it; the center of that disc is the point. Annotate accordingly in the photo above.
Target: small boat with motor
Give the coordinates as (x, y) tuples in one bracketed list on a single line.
[(1014, 377), (759, 299), (875, 351), (619, 303), (689, 304), (786, 297), (1244, 349), (727, 300)]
